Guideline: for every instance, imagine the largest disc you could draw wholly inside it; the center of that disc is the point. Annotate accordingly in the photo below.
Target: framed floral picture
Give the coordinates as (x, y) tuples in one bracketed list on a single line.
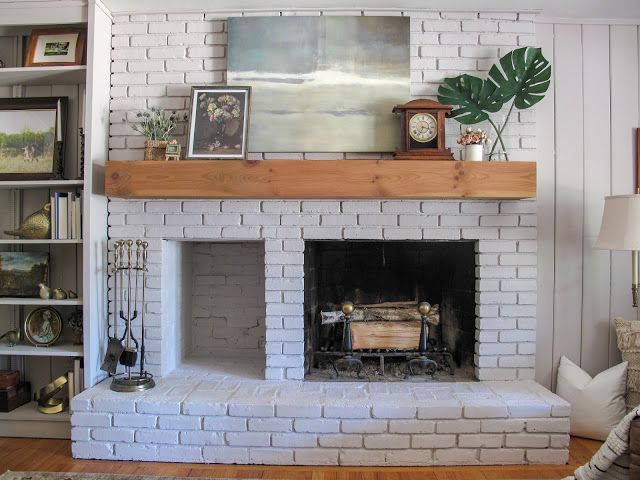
[(218, 123), (55, 47)]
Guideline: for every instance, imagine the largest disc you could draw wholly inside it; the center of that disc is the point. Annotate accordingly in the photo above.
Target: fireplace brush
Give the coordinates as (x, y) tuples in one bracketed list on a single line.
[(129, 306)]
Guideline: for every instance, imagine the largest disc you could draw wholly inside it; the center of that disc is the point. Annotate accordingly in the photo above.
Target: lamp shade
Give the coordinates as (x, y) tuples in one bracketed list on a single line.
[(620, 228)]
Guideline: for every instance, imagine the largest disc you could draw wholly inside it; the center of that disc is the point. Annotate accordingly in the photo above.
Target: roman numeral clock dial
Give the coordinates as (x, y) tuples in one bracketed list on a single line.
[(422, 124), (423, 127)]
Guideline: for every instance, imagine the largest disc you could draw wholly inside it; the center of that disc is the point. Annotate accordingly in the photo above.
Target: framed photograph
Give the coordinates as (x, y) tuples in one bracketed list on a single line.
[(43, 326), (218, 122), (22, 272), (55, 47), (32, 132)]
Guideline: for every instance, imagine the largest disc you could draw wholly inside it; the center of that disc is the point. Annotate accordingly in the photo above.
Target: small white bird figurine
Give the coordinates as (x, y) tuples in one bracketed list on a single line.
[(45, 292)]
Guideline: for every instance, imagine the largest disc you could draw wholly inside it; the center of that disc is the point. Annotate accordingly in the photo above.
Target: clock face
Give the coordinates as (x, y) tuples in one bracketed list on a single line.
[(423, 127)]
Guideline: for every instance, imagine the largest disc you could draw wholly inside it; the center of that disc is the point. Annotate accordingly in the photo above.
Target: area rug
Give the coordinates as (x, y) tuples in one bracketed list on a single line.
[(94, 476)]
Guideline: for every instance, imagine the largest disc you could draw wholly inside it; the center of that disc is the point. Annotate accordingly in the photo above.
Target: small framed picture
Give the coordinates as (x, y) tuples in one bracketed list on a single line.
[(43, 326), (22, 272), (55, 47), (218, 123), (32, 132)]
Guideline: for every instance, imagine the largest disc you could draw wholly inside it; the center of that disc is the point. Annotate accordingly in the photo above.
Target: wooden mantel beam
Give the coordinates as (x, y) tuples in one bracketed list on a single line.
[(338, 179)]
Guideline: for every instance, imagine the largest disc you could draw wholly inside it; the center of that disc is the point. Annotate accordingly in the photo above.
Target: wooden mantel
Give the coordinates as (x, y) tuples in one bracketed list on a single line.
[(338, 179)]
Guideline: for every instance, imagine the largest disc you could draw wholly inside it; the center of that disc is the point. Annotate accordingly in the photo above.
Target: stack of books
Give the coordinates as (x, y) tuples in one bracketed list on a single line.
[(66, 216)]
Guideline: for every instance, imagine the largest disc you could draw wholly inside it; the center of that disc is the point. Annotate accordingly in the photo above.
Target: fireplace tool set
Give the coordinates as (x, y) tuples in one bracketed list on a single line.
[(129, 306), (428, 358)]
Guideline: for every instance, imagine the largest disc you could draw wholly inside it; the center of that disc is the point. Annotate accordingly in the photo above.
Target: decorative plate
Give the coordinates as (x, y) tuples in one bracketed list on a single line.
[(43, 326)]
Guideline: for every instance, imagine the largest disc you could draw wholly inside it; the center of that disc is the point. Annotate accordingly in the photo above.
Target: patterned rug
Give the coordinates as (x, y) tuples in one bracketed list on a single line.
[(92, 476)]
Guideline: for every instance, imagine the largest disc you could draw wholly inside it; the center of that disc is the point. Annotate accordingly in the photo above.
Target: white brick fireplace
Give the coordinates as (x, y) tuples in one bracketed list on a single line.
[(208, 407), (225, 323)]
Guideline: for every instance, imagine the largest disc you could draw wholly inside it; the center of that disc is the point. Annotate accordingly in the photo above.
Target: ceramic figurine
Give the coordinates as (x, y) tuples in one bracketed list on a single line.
[(72, 294), (60, 294), (45, 292), (12, 336), (36, 226)]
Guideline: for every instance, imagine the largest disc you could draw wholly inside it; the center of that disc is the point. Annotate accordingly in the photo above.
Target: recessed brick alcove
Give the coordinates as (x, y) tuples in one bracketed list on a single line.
[(206, 410)]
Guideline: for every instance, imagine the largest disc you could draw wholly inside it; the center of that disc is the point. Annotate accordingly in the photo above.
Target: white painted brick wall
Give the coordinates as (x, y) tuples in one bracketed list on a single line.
[(271, 270), (228, 296), (156, 58)]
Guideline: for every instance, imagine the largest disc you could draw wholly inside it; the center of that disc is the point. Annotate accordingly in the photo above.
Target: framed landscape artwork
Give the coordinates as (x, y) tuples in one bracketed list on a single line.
[(31, 137), (55, 47), (21, 272), (218, 122), (321, 84)]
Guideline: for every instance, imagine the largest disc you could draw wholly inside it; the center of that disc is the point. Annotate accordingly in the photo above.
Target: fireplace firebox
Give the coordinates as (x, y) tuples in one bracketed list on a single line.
[(391, 277)]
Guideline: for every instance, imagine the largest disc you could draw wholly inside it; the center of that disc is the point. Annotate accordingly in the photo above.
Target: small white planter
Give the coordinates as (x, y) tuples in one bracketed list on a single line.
[(473, 152)]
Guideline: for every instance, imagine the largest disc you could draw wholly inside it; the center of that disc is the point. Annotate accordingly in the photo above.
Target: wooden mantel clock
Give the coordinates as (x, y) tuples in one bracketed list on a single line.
[(423, 130)]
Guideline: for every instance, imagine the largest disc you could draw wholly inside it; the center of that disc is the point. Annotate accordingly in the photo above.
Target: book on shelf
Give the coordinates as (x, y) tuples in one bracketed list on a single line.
[(66, 216)]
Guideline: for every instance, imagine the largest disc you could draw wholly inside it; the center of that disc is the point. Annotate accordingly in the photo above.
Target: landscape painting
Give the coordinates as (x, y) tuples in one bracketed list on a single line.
[(21, 272), (27, 141), (321, 84)]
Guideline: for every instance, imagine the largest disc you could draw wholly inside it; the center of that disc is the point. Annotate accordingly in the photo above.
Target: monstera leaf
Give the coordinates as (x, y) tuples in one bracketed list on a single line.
[(524, 74), (473, 96)]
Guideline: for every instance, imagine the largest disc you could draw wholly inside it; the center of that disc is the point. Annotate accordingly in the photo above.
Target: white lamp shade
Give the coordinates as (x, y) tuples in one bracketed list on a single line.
[(620, 228)]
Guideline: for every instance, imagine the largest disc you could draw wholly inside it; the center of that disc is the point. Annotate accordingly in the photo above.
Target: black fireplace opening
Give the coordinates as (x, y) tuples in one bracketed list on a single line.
[(376, 272)]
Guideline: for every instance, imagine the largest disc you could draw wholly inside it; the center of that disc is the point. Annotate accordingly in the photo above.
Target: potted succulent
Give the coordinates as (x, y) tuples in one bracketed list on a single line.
[(157, 126), (473, 142)]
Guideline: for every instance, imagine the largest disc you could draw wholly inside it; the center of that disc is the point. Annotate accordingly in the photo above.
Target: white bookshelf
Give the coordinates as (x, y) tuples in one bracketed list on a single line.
[(74, 264), (71, 75), (56, 350), (29, 184), (40, 302), (21, 241)]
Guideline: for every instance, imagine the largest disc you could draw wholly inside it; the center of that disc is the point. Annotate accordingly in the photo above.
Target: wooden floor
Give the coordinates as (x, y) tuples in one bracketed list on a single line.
[(55, 455)]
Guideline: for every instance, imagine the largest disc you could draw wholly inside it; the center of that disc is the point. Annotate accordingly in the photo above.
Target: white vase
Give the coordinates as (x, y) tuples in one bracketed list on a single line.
[(473, 152)]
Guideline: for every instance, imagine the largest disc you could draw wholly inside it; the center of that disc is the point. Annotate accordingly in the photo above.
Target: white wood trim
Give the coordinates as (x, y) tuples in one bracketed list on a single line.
[(58, 350), (39, 301)]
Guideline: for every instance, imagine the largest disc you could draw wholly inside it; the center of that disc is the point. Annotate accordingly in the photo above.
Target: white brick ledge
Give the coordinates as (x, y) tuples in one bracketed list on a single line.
[(204, 420)]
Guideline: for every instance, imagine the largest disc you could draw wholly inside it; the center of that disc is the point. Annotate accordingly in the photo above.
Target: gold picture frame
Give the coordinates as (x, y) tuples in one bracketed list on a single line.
[(43, 326), (56, 47)]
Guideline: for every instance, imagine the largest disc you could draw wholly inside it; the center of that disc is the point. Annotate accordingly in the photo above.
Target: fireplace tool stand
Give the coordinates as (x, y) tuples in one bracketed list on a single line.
[(423, 361), (128, 307), (348, 362)]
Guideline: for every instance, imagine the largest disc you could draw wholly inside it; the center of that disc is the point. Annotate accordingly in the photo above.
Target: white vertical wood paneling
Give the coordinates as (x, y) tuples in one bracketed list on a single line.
[(624, 120), (590, 114), (546, 217), (569, 185), (597, 180)]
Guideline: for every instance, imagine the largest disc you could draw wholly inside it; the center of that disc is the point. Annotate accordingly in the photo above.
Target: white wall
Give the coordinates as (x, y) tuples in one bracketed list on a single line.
[(586, 131)]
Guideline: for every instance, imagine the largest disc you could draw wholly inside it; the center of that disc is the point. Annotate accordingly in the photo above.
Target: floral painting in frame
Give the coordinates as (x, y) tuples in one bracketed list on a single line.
[(218, 123)]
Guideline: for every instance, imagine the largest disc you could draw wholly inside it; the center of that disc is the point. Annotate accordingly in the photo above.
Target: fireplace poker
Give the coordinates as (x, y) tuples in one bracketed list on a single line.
[(145, 245)]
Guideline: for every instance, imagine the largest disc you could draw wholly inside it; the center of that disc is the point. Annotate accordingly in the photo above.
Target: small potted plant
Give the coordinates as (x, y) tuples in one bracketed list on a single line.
[(473, 142), (157, 126)]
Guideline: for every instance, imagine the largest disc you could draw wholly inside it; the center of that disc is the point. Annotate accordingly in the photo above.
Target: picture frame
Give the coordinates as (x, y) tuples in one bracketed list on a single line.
[(43, 326), (218, 123), (32, 133), (56, 47), (21, 272)]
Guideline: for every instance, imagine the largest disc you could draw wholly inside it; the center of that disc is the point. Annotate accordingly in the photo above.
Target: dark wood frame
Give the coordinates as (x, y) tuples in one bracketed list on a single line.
[(39, 103), (245, 126), (407, 111), (33, 41), (45, 278)]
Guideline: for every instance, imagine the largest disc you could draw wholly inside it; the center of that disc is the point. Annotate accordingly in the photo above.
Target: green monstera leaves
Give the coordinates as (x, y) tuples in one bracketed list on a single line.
[(473, 96), (523, 75)]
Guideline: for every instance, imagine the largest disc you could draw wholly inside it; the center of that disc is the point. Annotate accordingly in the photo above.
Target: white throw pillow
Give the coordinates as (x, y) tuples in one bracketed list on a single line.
[(597, 404)]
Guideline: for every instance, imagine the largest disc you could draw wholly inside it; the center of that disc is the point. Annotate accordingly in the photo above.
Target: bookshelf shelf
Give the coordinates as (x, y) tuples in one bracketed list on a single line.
[(65, 75), (30, 184), (58, 350), (39, 301), (18, 241)]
